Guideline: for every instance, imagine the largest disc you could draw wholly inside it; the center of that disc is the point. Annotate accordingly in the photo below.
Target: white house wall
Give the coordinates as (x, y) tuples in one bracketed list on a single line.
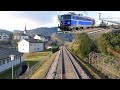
[(40, 38), (37, 37), (23, 46), (9, 65)]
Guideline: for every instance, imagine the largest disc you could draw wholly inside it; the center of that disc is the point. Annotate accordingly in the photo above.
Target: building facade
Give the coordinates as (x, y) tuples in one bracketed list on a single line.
[(30, 45), (21, 36), (5, 60)]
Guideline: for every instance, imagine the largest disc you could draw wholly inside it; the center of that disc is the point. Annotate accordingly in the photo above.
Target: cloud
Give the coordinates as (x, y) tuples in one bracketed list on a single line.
[(10, 22)]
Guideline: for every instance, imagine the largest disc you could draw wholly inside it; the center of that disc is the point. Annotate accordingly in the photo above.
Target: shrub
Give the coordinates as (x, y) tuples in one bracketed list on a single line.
[(109, 40), (55, 49), (85, 45)]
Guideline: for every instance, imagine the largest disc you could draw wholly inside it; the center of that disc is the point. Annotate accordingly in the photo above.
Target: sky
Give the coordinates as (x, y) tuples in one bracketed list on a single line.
[(16, 20)]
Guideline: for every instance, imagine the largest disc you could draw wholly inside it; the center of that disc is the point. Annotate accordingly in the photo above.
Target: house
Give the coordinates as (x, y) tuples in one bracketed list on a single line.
[(5, 60), (30, 45), (4, 37), (41, 37), (20, 36)]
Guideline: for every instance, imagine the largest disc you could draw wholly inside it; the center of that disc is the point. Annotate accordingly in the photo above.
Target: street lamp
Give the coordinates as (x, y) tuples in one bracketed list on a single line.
[(12, 59)]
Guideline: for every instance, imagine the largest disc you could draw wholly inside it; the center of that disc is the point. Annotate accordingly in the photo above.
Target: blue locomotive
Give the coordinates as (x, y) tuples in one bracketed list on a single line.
[(72, 21)]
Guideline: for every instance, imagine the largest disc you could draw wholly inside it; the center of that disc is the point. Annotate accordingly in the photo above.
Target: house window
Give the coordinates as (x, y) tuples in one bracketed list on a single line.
[(3, 61), (23, 48), (8, 60), (38, 48), (35, 48), (23, 44), (34, 44), (18, 57), (0, 63)]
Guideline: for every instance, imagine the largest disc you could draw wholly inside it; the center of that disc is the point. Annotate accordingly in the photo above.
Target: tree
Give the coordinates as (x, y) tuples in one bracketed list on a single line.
[(86, 45), (102, 44), (109, 40)]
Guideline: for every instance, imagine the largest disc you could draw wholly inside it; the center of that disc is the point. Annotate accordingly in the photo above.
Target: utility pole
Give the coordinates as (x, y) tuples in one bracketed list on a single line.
[(12, 71), (12, 57)]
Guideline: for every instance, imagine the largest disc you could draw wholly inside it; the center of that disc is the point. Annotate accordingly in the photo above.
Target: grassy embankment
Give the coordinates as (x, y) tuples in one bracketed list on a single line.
[(35, 57), (43, 69)]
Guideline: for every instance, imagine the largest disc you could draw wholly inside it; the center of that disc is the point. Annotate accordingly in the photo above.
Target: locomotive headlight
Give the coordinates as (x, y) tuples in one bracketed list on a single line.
[(68, 22)]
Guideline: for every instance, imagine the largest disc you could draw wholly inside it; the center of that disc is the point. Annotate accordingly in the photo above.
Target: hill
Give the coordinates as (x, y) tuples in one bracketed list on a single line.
[(43, 31), (5, 31)]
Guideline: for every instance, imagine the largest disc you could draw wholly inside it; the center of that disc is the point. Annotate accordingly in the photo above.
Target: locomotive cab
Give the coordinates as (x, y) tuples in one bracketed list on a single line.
[(65, 22), (71, 21)]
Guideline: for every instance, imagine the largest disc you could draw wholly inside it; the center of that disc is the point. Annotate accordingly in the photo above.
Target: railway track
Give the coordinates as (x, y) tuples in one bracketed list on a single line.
[(66, 67), (69, 68)]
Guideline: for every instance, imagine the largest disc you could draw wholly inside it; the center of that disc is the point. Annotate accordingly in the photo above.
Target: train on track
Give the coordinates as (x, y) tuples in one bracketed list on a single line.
[(72, 21)]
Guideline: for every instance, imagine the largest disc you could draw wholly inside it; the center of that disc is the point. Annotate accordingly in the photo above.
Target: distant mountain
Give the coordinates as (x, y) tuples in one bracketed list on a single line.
[(16, 31), (43, 31)]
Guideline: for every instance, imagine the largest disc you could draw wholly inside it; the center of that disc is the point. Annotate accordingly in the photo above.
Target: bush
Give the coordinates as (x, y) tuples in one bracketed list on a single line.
[(55, 49), (102, 44), (109, 40), (86, 45)]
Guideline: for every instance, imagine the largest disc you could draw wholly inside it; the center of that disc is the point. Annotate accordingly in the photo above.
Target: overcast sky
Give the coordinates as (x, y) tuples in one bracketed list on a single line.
[(16, 20)]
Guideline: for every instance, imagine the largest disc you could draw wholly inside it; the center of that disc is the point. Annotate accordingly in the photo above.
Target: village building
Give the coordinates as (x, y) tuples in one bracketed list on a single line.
[(30, 45), (5, 60), (20, 36), (41, 37), (4, 37)]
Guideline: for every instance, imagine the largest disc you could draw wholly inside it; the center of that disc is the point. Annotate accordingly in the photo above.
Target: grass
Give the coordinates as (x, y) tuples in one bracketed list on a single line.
[(8, 73), (43, 69), (33, 58)]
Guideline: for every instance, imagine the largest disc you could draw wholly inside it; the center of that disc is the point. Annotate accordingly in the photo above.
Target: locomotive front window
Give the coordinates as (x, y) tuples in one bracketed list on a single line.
[(66, 17), (62, 17), (72, 17)]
